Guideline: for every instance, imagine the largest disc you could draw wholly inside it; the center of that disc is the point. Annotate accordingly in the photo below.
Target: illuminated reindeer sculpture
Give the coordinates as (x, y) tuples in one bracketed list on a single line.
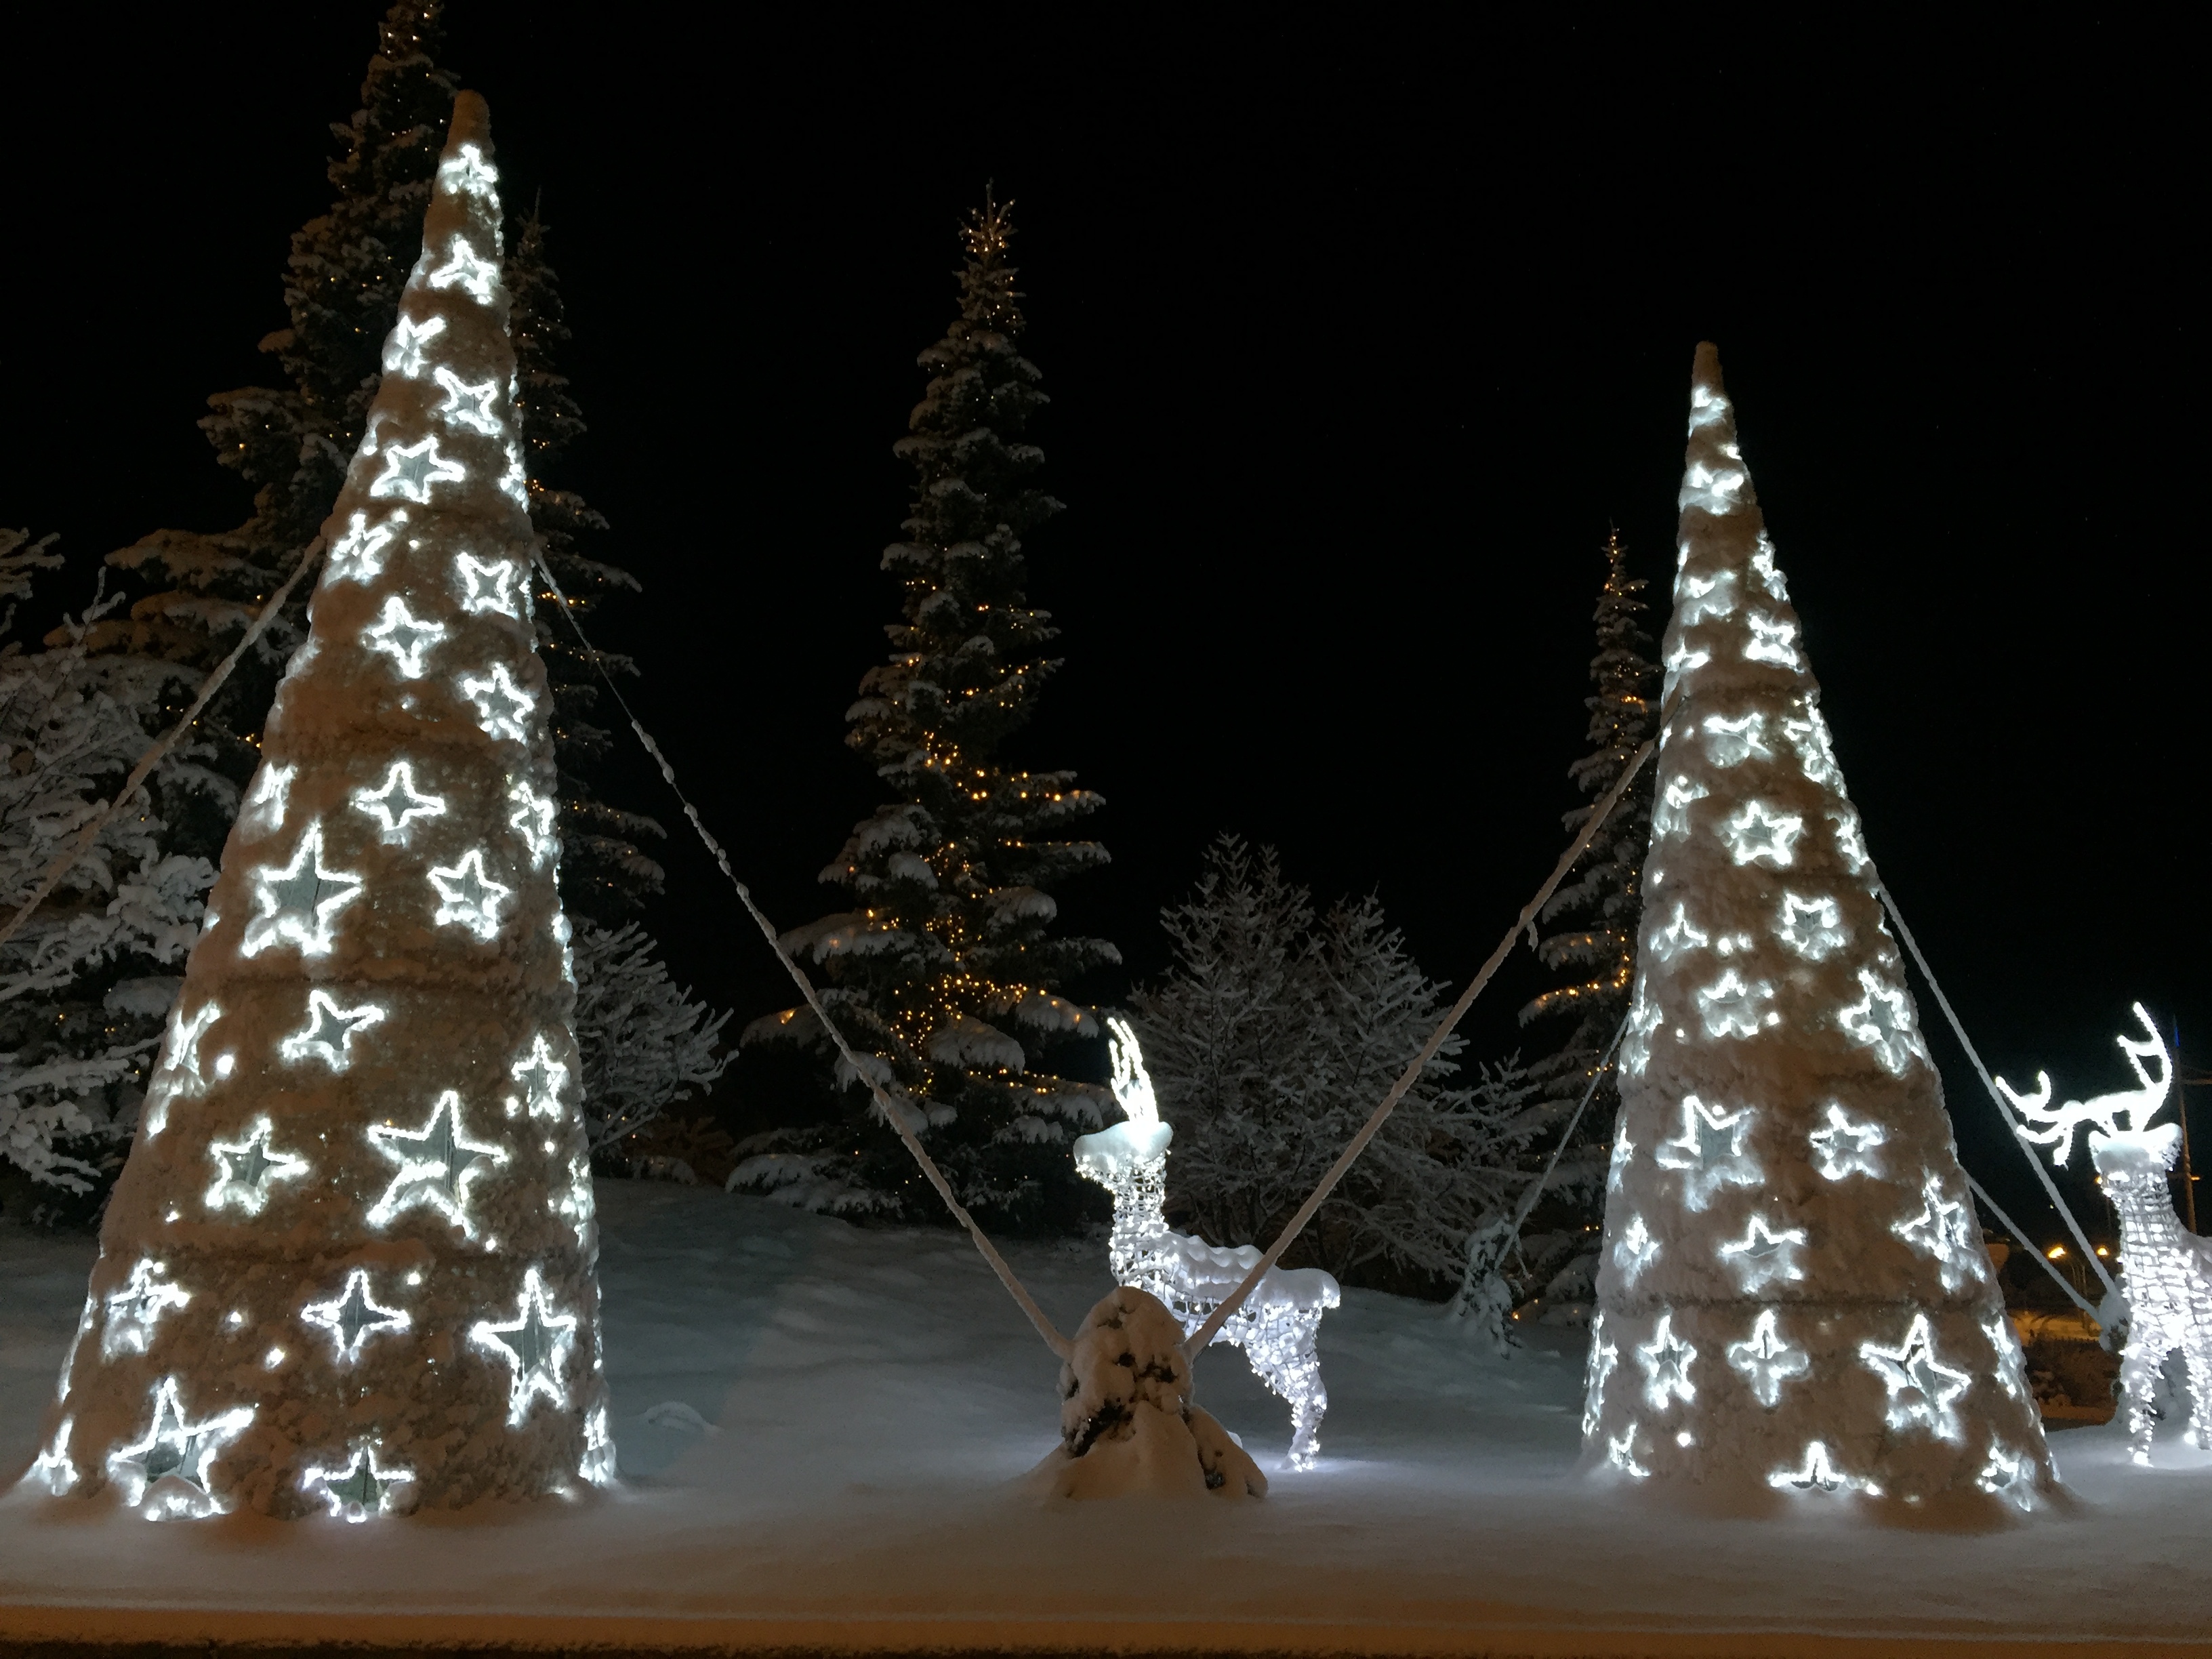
[(1279, 1321), (2165, 1272)]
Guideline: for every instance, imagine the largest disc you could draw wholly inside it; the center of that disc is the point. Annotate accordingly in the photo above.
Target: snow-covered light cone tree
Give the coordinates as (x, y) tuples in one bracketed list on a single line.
[(350, 1264), (1793, 1293)]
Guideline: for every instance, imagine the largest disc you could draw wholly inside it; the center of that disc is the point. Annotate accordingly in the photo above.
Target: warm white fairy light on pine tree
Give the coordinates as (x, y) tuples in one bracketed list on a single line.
[(1794, 1296), (349, 1267)]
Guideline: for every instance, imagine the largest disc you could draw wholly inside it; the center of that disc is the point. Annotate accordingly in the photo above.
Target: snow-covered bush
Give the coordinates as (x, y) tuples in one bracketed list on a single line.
[(645, 1044)]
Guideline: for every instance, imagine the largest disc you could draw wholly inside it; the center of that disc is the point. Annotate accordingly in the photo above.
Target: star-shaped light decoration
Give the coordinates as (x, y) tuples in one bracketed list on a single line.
[(297, 902), (491, 585), (403, 349), (1812, 927), (1769, 573), (263, 812), (534, 1343), (1604, 1359), (1846, 1148), (469, 405), (2004, 1345), (1680, 934), (1851, 838), (514, 482), (438, 1164), (1620, 1452), (1763, 1255), (178, 1076), (1666, 1360), (1644, 1018), (53, 1468), (469, 174), (1624, 1150), (543, 1076), (1709, 1152), (503, 708), (402, 637), (1767, 1360), (532, 819), (134, 1309), (1759, 834), (468, 896), (359, 555), (1921, 1390), (1634, 1251), (330, 1031), (2009, 1475), (1945, 1229), (361, 1489), (467, 270), (1817, 1474), (244, 1169), (1772, 640), (176, 1451), (576, 1204), (1732, 1006), (352, 1316), (1680, 661), (1701, 597), (1816, 750), (1732, 742), (1882, 1021), (399, 803), (1670, 814), (410, 469)]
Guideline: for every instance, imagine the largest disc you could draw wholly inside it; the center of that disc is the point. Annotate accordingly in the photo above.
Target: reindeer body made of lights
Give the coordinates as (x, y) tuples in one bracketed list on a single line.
[(1280, 1321), (2166, 1271)]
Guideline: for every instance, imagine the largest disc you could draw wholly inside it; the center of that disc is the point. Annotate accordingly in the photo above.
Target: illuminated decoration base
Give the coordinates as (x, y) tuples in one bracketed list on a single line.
[(1794, 1302), (1280, 1321), (341, 1274), (2166, 1271)]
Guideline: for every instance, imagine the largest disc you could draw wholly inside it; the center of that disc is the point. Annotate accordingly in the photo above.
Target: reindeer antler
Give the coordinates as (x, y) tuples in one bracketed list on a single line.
[(2155, 1090), (1132, 1084), (2050, 1125), (2055, 1127)]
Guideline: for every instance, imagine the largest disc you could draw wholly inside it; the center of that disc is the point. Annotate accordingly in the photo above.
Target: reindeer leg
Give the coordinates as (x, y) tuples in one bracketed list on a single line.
[(2141, 1366), (1282, 1351)]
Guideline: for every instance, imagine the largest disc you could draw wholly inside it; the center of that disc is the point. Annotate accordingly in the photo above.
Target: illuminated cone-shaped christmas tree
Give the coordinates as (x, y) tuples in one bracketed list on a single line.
[(350, 1264), (1794, 1294)]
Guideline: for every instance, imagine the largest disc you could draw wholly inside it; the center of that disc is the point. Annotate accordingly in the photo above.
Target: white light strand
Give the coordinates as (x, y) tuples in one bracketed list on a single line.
[(535, 1345), (438, 1165), (353, 1315), (299, 901), (330, 1031), (468, 897), (397, 803), (244, 1168)]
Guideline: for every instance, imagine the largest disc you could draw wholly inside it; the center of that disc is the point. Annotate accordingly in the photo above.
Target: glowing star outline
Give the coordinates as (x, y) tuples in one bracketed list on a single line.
[(244, 1168), (177, 1076), (1767, 1359), (2004, 1344), (1812, 927), (2009, 1475), (1679, 935), (1772, 640), (1624, 1150), (359, 555), (1911, 1369), (467, 270), (1643, 1018), (1634, 1251), (1699, 597), (514, 482), (283, 893), (53, 1468), (467, 895), (1729, 1006), (1681, 660), (176, 1449), (467, 173), (1817, 1474), (543, 1079), (1846, 1148), (532, 819), (491, 585), (499, 686), (265, 803), (1944, 1229), (1706, 1161), (135, 1310), (438, 1162), (324, 1013), (1710, 490), (361, 1489), (1770, 574), (403, 350), (403, 637), (535, 1343), (1883, 1021), (1666, 1360), (1620, 1452), (1816, 747), (410, 469), (1851, 838), (398, 788), (468, 405), (1670, 815), (1732, 742), (1760, 834), (353, 1315), (1763, 1255), (1597, 1370)]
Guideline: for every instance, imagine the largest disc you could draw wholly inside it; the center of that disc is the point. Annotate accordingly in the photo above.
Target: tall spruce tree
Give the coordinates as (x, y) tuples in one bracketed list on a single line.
[(946, 969)]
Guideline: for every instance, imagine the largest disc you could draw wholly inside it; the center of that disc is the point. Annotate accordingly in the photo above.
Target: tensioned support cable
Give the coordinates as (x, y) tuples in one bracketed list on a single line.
[(893, 1112), (1196, 1344), (1604, 1065), (161, 746), (2049, 1187), (2049, 1265)]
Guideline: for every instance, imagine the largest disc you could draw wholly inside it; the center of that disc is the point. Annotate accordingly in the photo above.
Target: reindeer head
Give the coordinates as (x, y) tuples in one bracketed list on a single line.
[(2054, 1126)]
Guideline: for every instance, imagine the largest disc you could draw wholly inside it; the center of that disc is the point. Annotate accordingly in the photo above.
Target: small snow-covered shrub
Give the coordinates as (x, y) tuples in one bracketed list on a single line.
[(645, 1044)]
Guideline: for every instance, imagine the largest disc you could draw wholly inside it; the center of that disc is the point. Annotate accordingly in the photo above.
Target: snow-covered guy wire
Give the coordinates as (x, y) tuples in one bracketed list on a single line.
[(885, 1104), (1536, 1187), (161, 746), (1196, 1343)]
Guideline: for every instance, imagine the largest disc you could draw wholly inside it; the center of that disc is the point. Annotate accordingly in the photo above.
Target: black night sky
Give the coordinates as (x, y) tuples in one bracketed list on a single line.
[(1357, 344)]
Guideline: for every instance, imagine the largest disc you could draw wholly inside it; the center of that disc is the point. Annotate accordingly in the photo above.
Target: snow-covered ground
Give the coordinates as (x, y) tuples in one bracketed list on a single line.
[(865, 1400)]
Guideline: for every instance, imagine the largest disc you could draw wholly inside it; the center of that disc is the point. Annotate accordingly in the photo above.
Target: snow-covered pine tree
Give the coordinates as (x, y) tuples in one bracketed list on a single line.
[(645, 1044), (350, 1263), (947, 967), (86, 984), (1794, 1295), (1270, 1039), (1593, 918)]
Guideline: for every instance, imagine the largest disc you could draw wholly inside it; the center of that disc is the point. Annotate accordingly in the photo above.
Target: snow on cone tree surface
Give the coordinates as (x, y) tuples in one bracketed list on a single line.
[(349, 1267), (1793, 1293)]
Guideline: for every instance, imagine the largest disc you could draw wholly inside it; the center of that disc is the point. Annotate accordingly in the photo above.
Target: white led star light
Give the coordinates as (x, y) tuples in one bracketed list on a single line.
[(534, 1344), (361, 1489), (1604, 1359), (1670, 814), (359, 555), (1921, 1390), (410, 471), (1680, 661), (1819, 1473), (491, 585), (468, 173), (1767, 1360), (1680, 934), (167, 1472), (1812, 927), (1850, 839), (330, 1031), (1624, 1150), (244, 1168), (1846, 1148), (468, 405), (1732, 742), (514, 482), (134, 1310), (1713, 488), (1634, 1250), (2010, 1475), (1644, 1018), (532, 819), (1666, 1360), (467, 270), (178, 1076), (1816, 750), (403, 351), (468, 896), (53, 1468), (1758, 834), (1699, 597), (503, 708), (1732, 1006), (397, 803), (1772, 640), (2004, 1347), (352, 1317), (438, 1165), (298, 901), (1620, 1452), (403, 638), (263, 812), (1709, 1152), (1882, 1021), (1770, 574), (1945, 1229), (1763, 1255), (543, 1079)]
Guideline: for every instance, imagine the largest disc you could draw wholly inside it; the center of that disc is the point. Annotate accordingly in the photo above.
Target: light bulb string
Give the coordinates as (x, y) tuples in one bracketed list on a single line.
[(1199, 1339), (159, 748), (890, 1110)]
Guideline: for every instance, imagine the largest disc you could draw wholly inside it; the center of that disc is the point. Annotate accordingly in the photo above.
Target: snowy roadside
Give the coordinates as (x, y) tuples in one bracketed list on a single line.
[(863, 1400)]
